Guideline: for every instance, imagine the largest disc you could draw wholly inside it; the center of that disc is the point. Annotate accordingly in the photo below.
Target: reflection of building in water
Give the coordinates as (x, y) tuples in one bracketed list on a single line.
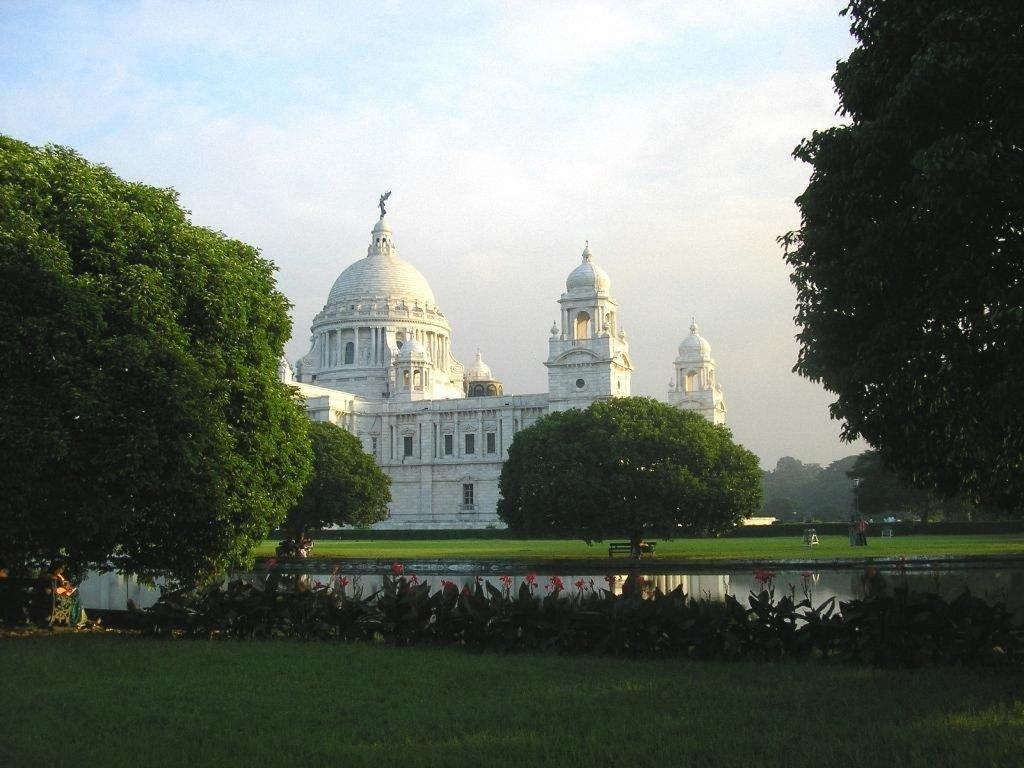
[(706, 585), (112, 591)]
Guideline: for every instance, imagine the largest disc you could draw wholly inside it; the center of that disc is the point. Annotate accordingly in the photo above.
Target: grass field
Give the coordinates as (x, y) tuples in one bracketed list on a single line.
[(831, 547), (109, 700)]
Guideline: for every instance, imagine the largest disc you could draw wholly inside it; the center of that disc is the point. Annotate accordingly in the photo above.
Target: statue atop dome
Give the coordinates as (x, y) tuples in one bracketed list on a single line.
[(383, 199)]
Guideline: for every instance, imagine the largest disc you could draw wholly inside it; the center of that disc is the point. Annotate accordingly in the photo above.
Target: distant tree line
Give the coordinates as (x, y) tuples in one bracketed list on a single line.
[(795, 491)]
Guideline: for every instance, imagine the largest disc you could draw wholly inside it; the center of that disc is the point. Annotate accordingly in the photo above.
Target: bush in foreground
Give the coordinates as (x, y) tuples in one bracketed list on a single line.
[(898, 629)]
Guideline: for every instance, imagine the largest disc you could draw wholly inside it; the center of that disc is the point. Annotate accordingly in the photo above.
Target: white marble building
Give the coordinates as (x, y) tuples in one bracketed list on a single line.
[(381, 366)]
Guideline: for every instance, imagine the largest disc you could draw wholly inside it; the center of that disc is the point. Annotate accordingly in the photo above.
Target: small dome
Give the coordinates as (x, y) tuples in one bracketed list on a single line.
[(479, 370), (412, 349), (588, 277), (694, 347), (382, 225)]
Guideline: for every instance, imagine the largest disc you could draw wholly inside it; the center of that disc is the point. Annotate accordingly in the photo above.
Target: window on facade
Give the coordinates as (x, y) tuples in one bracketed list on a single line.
[(407, 445), (448, 445), (490, 442), (470, 444), (467, 495), (350, 353)]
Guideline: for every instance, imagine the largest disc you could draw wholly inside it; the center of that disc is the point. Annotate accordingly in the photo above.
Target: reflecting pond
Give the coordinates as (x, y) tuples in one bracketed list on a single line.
[(111, 591)]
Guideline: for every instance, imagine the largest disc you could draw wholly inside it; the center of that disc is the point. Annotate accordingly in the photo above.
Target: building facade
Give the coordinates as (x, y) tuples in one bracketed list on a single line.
[(381, 366)]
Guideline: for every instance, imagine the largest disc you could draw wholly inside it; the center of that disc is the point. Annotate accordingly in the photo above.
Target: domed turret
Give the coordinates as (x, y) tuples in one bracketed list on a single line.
[(694, 387), (588, 357), (480, 382), (588, 277), (694, 348), (412, 350)]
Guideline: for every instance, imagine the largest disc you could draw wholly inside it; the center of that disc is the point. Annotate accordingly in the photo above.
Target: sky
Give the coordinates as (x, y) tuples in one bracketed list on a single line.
[(509, 135)]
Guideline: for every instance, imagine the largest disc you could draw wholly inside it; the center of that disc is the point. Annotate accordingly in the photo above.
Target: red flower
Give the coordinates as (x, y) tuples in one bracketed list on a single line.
[(556, 582), (531, 579), (414, 579), (506, 582), (342, 581), (580, 584), (397, 569), (763, 576), (446, 585)]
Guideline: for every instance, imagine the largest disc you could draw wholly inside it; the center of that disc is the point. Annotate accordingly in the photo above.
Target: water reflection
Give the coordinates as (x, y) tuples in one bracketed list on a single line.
[(111, 591)]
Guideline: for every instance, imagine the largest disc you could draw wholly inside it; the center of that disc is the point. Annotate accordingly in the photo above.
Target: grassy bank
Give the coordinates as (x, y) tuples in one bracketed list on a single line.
[(112, 701), (831, 547)]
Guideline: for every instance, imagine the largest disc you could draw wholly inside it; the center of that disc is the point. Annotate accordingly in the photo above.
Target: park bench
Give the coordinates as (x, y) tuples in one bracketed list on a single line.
[(646, 547)]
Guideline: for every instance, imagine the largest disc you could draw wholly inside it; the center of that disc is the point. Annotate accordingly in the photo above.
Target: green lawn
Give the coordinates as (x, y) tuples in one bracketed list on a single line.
[(110, 701), (831, 547)]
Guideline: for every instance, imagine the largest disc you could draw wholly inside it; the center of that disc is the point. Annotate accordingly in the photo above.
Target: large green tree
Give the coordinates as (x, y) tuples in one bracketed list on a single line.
[(627, 467), (142, 423), (909, 263), (346, 487)]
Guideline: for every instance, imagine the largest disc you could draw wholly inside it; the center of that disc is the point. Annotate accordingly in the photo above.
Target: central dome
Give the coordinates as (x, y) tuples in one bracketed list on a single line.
[(381, 275)]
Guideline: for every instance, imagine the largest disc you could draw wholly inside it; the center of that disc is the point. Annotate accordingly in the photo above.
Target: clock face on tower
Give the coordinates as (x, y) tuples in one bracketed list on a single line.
[(580, 383)]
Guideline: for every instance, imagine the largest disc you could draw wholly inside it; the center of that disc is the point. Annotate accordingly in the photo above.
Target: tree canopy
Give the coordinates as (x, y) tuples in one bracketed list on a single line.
[(909, 263), (795, 491), (627, 467), (142, 423), (880, 492), (346, 487)]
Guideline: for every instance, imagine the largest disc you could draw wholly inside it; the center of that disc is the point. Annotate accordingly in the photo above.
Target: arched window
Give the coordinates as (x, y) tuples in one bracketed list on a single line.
[(582, 326), (492, 390), (691, 381), (417, 380), (405, 379), (350, 353)]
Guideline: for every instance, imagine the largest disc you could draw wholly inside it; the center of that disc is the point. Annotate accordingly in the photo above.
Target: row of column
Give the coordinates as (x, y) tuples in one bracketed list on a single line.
[(332, 348)]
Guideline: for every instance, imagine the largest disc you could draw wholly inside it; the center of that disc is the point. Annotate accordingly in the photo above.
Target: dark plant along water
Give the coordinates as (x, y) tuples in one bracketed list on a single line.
[(112, 591)]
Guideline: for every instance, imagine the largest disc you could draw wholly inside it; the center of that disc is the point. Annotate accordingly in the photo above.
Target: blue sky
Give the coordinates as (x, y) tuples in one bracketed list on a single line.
[(509, 134)]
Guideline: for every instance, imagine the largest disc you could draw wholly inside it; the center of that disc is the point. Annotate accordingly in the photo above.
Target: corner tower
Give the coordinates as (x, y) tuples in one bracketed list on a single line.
[(588, 356), (693, 386)]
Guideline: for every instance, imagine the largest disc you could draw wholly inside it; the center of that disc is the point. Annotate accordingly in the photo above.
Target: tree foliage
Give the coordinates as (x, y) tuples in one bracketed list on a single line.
[(141, 419), (909, 263), (346, 487), (880, 492), (628, 466), (798, 491)]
